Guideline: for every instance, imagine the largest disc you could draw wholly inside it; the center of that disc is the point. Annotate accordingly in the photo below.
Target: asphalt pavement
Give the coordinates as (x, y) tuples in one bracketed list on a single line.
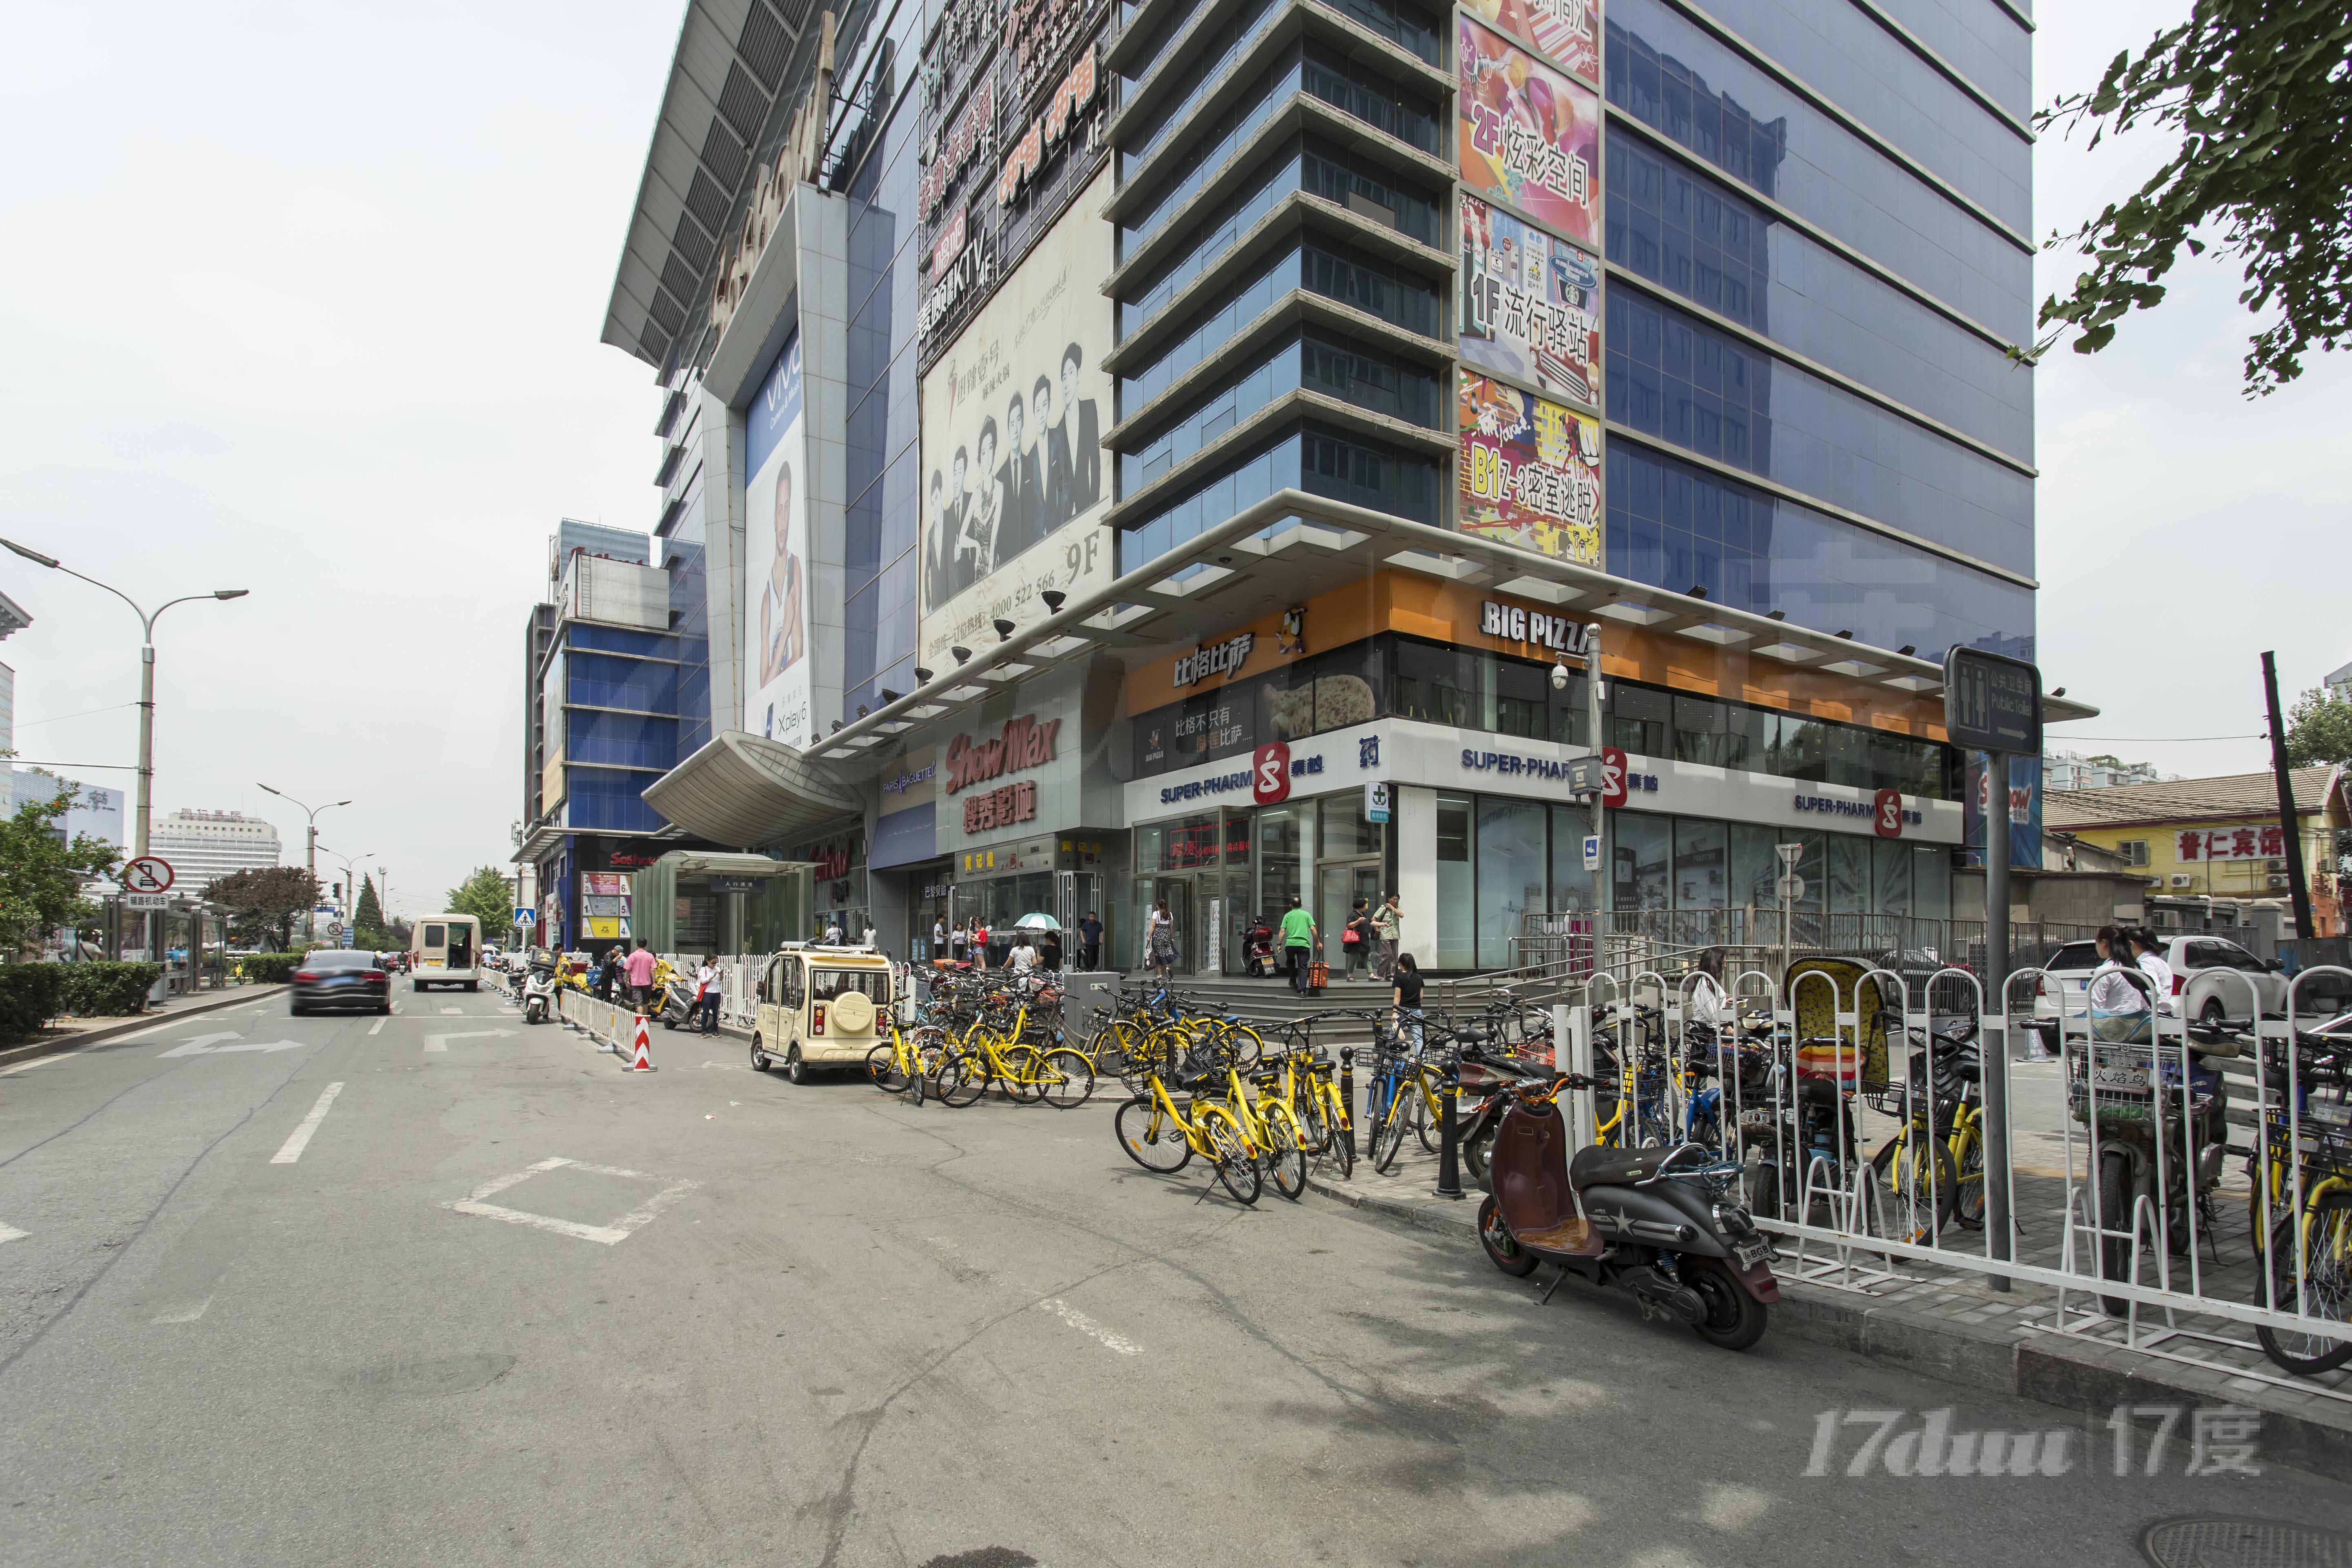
[(443, 1288)]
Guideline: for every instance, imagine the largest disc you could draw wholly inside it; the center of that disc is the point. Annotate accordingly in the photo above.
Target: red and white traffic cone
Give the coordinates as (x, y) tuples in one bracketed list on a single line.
[(642, 1061)]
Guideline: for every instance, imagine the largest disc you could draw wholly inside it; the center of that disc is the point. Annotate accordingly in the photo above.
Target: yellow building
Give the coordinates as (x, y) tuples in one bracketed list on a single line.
[(2218, 836)]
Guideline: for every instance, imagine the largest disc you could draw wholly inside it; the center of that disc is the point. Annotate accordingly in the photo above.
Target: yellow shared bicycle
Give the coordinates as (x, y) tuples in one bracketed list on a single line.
[(1162, 1135)]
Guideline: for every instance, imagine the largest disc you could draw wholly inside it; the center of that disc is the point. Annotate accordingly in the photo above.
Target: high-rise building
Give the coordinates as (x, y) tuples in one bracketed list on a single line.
[(204, 844), (1102, 440), (13, 618)]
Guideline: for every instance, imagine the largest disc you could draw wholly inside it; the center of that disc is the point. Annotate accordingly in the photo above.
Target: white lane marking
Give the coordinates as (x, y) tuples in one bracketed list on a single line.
[(441, 1042), (198, 1046), (9, 1233), (35, 1062), (377, 1027), (1088, 1327), (184, 1315), (300, 1137), (445, 1011), (262, 1046), (608, 1235)]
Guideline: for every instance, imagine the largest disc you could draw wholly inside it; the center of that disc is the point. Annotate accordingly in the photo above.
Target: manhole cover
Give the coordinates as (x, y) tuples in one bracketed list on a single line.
[(2219, 1541)]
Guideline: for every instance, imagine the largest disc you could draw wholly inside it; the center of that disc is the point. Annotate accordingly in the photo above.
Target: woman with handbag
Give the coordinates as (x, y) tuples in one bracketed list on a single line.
[(1356, 939)]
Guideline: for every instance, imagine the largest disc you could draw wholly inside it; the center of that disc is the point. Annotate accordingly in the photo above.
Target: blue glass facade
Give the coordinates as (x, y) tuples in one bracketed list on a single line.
[(682, 552)]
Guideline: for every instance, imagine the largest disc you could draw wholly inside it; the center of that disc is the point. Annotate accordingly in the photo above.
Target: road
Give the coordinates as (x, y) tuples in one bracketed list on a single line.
[(713, 1318)]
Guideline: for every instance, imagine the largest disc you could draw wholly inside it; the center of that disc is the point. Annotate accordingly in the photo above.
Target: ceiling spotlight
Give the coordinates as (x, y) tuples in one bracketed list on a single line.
[(1848, 636), (888, 695), (1053, 598), (1004, 629), (1777, 616), (861, 710), (1907, 649), (836, 727), (922, 675), (2057, 691), (1697, 590), (963, 655)]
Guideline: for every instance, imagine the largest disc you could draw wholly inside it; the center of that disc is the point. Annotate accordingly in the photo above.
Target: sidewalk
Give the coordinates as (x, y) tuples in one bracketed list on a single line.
[(1948, 1325), (76, 1032)]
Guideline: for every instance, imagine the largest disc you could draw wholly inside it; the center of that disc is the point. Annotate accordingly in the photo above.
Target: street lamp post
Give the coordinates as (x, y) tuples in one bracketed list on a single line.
[(146, 689), (351, 907), (311, 854)]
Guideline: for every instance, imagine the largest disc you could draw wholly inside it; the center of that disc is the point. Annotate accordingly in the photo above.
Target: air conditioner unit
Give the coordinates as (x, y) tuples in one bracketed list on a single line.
[(2182, 880), (2275, 863), (2275, 881)]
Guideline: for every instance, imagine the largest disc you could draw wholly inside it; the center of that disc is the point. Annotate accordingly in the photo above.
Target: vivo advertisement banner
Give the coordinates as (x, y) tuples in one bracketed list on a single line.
[(2024, 811), (775, 566)]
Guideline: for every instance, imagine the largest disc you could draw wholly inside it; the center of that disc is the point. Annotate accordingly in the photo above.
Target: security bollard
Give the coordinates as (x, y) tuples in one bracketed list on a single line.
[(1347, 1096), (1449, 1149)]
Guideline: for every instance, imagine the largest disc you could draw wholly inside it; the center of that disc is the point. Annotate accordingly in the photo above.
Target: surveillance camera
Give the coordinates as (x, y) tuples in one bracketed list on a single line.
[(1559, 676)]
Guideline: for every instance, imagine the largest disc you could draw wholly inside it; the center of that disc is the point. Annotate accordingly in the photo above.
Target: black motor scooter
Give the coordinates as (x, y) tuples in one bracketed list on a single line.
[(1658, 1221)]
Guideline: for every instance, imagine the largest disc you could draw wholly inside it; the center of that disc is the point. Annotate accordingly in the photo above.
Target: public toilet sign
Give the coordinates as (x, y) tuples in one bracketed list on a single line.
[(1992, 702), (147, 874)]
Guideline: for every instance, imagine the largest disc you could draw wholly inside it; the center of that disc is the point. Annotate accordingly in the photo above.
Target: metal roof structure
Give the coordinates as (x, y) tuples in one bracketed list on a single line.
[(2188, 800), (13, 617), (734, 58)]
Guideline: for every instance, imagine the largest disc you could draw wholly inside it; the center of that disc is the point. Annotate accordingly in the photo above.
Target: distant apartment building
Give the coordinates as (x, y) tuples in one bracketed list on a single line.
[(2071, 770), (204, 844)]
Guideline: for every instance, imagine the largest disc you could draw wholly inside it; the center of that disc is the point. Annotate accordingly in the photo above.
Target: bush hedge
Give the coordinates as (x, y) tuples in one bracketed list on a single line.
[(30, 996), (107, 990), (268, 968)]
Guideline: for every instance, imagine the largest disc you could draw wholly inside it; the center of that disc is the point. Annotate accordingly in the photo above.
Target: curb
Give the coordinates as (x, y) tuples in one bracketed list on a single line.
[(2082, 1377), (131, 1024)]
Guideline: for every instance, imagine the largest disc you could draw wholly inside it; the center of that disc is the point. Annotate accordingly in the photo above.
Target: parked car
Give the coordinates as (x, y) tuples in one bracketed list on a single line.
[(341, 981), (2207, 981), (821, 1008)]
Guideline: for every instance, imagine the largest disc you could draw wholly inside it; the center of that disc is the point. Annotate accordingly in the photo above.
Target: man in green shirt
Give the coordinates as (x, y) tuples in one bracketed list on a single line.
[(1297, 943)]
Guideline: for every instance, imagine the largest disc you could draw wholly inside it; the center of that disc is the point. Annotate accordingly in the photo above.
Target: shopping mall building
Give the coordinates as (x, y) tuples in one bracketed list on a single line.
[(1215, 451)]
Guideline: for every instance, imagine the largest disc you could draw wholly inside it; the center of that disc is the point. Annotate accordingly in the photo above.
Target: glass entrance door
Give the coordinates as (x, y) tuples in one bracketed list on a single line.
[(1176, 892), (1338, 886)]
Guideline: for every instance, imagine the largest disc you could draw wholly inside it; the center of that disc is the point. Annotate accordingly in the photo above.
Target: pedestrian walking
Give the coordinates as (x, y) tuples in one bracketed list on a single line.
[(958, 943), (640, 972), (870, 934), (1386, 923), (979, 944), (608, 973), (706, 995), (1298, 938), (1090, 932), (938, 938), (1356, 939), (1406, 1000), (1159, 941), (832, 932)]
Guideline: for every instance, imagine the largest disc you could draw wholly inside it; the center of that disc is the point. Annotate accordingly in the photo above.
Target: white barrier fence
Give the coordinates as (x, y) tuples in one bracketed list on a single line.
[(1887, 1181)]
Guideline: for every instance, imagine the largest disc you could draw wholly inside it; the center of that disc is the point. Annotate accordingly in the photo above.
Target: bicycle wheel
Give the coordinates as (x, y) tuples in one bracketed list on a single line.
[(1918, 1188), (962, 1077), (1066, 1078), (1430, 1129), (1244, 1044), (1229, 1152), (1019, 1075), (1284, 1160), (1150, 1136), (1968, 1191), (1337, 1158), (882, 1065), (1309, 1109), (2326, 1291), (1388, 1138)]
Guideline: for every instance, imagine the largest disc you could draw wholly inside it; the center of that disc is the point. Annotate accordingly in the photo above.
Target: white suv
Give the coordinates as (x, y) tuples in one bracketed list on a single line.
[(2210, 979)]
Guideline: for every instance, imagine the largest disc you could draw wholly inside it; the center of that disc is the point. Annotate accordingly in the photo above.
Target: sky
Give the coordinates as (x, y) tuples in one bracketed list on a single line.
[(305, 299)]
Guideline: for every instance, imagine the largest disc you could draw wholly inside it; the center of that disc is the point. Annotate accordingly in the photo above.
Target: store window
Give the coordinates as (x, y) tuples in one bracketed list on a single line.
[(1571, 884), (1344, 830), (1512, 873), (1282, 835), (1848, 874), (1700, 849), (1639, 718), (1890, 876), (1457, 920), (1641, 854)]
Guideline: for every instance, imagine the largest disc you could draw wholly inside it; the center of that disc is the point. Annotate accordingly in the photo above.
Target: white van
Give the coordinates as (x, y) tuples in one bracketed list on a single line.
[(448, 951), (821, 1007)]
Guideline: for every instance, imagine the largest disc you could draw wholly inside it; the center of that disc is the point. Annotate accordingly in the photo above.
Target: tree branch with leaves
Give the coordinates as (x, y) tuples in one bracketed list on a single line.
[(2260, 93)]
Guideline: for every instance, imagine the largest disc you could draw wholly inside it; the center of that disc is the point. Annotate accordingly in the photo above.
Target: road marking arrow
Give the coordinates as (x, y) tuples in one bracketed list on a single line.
[(10, 1233), (264, 1045), (441, 1042), (201, 1043)]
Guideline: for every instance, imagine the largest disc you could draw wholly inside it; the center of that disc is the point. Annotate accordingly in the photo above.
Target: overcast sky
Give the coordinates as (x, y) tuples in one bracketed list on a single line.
[(305, 299)]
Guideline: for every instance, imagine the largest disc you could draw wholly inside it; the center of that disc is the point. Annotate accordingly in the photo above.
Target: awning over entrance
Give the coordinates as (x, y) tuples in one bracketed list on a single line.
[(743, 789)]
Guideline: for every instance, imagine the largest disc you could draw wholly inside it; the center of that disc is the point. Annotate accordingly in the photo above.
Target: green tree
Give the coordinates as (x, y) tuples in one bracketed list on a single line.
[(41, 874), (486, 897), (367, 920), (2260, 93), (264, 901), (2319, 729)]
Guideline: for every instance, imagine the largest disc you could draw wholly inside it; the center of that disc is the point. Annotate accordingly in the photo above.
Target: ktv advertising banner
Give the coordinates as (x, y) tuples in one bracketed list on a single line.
[(1529, 135), (776, 685), (1531, 472), (1531, 304), (1013, 416), (1568, 31)]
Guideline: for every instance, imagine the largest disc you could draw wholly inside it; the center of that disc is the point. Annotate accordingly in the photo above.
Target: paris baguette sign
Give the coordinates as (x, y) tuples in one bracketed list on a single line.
[(1022, 743)]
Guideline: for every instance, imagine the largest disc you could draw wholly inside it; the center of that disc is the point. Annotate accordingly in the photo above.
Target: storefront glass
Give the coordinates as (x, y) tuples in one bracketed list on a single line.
[(1641, 852), (1571, 884), (1457, 885), (1699, 852), (1512, 874), (1849, 874)]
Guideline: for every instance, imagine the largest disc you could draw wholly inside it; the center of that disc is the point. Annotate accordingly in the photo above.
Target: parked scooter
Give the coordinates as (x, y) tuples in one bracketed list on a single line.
[(539, 987), (1658, 1221), (673, 997)]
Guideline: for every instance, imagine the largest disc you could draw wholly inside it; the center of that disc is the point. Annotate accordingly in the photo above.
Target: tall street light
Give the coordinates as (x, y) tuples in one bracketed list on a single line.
[(146, 672), (337, 858), (310, 853)]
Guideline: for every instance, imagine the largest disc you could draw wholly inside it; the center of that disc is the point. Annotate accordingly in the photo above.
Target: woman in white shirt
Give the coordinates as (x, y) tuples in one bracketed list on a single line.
[(706, 995), (2118, 994), (2152, 963)]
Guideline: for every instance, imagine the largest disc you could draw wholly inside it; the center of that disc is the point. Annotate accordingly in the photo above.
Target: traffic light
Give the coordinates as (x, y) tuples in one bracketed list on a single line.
[(339, 888)]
